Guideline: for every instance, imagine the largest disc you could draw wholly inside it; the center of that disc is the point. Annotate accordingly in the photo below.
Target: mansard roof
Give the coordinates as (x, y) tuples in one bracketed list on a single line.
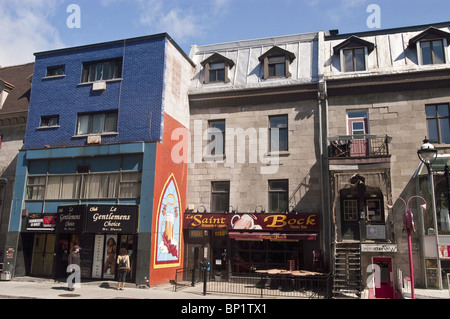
[(17, 82)]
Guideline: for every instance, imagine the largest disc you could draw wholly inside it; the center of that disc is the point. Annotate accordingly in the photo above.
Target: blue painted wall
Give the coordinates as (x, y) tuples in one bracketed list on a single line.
[(137, 97)]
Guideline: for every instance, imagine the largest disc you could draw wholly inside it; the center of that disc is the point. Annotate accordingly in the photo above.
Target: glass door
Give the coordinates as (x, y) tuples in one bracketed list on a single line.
[(358, 128), (43, 255)]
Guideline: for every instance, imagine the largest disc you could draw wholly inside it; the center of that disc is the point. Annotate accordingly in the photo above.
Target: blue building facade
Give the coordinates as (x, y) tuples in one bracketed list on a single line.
[(96, 121)]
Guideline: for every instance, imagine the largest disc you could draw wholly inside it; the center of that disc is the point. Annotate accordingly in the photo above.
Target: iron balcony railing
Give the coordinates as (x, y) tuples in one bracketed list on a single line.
[(364, 145)]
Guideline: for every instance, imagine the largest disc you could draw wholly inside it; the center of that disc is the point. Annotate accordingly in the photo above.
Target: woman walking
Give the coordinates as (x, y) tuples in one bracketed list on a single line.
[(123, 262)]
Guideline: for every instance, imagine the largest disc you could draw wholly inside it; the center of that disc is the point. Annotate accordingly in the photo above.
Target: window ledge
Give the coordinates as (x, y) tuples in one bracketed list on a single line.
[(47, 127), (279, 153), (94, 134), (214, 158), (107, 81), (54, 77)]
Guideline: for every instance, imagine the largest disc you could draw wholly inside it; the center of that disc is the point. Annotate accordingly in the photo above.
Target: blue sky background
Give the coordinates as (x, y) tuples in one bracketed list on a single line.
[(30, 26)]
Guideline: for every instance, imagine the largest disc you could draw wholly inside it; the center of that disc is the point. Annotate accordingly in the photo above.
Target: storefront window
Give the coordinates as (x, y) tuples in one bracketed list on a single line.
[(445, 267), (266, 254), (442, 214), (432, 273)]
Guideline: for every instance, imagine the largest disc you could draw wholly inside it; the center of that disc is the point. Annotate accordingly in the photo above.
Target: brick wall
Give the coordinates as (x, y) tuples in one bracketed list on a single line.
[(138, 97)]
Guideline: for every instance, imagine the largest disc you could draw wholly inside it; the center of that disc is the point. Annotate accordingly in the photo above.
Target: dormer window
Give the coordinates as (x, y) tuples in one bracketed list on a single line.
[(217, 72), (276, 62), (353, 54), (431, 46), (216, 69), (5, 89), (432, 52), (277, 66), (354, 59)]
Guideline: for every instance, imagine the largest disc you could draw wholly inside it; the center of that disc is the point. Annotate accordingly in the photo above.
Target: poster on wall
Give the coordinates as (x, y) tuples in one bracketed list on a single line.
[(109, 265), (168, 233), (97, 261)]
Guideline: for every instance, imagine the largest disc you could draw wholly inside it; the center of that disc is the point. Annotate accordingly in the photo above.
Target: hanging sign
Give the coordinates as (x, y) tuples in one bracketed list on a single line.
[(41, 223), (249, 221), (70, 219), (112, 219)]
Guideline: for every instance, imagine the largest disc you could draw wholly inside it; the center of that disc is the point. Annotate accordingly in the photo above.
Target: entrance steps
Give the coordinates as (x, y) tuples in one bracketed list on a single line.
[(347, 270)]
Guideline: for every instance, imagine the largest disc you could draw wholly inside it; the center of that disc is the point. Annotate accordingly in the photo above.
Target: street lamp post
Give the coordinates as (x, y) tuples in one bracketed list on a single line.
[(427, 155), (408, 225)]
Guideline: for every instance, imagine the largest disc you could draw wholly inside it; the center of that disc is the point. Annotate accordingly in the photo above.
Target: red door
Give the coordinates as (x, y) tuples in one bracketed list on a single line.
[(384, 289)]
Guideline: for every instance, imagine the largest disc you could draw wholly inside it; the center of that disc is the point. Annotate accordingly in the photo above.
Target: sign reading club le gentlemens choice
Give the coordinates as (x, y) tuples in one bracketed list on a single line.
[(112, 219), (97, 219)]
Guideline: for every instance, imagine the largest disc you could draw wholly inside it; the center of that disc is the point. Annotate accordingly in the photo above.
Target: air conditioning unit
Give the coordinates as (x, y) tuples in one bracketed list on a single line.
[(99, 86), (94, 139)]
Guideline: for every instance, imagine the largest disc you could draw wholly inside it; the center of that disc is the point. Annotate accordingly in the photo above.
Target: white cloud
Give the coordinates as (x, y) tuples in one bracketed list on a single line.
[(180, 25), (183, 20), (26, 29)]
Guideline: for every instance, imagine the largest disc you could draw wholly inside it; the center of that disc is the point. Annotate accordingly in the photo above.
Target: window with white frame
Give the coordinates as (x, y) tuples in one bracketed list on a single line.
[(97, 123), (217, 69), (432, 52), (278, 133), (431, 46), (353, 53), (354, 59), (275, 63)]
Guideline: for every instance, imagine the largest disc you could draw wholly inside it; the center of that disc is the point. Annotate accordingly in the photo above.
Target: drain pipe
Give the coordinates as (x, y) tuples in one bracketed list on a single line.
[(324, 174)]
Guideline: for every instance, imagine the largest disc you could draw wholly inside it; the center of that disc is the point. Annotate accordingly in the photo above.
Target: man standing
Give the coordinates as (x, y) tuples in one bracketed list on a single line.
[(73, 269)]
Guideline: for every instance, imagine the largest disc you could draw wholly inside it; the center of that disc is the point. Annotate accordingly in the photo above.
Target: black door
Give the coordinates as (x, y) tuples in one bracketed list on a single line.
[(350, 219)]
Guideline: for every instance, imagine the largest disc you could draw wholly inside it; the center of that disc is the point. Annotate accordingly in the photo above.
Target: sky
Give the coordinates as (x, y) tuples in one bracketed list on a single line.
[(29, 26)]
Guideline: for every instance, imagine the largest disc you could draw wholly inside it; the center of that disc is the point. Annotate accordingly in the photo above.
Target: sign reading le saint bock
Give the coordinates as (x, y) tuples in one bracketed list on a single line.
[(112, 219)]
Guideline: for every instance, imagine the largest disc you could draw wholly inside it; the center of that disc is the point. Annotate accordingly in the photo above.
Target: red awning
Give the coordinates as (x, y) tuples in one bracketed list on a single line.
[(256, 236)]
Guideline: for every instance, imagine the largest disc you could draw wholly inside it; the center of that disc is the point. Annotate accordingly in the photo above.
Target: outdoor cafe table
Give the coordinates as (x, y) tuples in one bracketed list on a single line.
[(285, 278)]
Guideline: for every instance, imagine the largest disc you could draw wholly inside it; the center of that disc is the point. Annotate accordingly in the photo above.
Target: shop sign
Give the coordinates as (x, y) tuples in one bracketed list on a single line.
[(379, 248), (41, 223), (70, 219), (112, 219), (273, 222)]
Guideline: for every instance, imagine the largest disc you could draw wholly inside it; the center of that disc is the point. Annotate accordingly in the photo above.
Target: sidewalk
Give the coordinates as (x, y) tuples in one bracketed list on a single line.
[(429, 294), (37, 288)]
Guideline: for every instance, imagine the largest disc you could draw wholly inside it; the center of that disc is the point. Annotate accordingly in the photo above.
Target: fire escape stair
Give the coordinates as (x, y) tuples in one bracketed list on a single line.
[(347, 270)]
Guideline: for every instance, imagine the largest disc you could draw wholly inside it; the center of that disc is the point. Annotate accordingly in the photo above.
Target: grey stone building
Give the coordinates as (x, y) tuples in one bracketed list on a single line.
[(255, 149), (15, 87), (384, 92), (328, 124)]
